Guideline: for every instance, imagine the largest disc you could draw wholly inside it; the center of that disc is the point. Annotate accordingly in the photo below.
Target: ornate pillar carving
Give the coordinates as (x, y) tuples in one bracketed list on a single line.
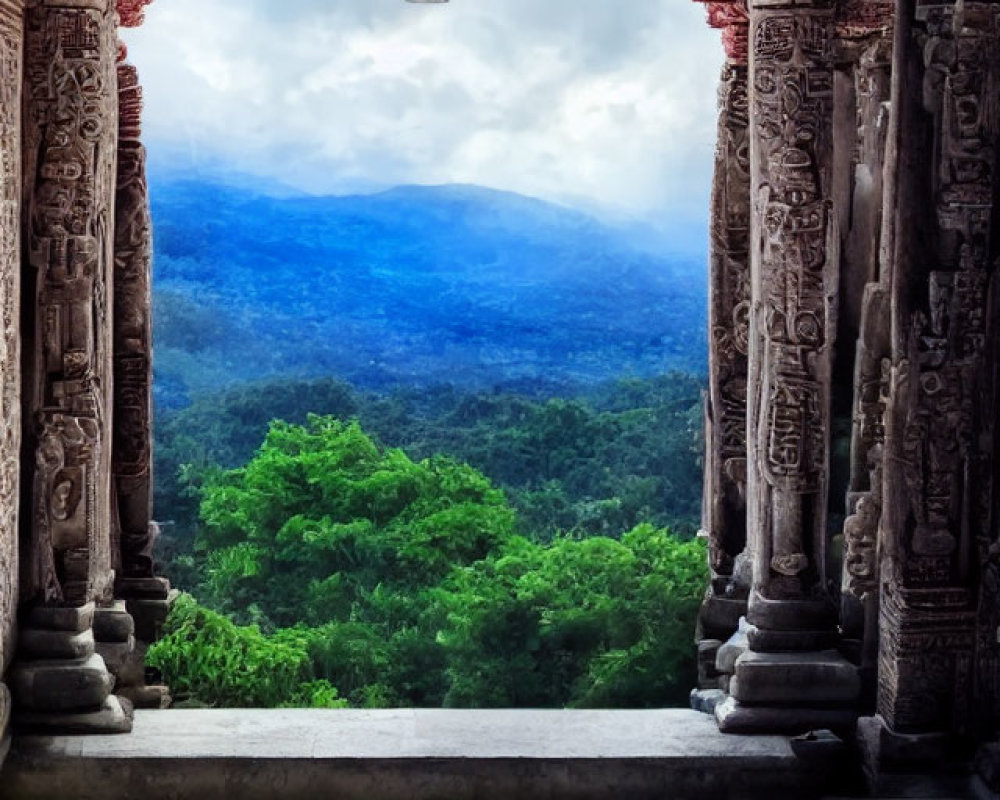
[(938, 524), (70, 147), (11, 59), (789, 680), (724, 503), (864, 32), (133, 352), (724, 496)]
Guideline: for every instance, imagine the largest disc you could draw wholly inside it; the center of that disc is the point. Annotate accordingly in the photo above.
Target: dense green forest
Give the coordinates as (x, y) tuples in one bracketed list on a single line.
[(432, 547)]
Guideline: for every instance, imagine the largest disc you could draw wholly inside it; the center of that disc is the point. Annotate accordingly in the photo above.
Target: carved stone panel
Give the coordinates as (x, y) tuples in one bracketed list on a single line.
[(938, 526), (132, 458), (865, 318), (69, 157), (11, 34), (724, 519), (794, 291)]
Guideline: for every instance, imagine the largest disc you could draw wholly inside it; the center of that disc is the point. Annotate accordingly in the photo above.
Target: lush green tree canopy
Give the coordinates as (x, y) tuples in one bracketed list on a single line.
[(403, 582)]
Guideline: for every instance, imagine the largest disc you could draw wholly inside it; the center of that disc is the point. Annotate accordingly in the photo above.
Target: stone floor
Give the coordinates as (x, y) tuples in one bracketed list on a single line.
[(414, 755)]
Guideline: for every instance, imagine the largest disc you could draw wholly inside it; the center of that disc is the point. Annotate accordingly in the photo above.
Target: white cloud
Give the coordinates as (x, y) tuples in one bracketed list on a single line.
[(590, 102)]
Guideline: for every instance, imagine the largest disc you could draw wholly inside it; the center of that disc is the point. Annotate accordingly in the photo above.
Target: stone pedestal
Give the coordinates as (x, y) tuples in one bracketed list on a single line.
[(114, 632), (60, 683), (910, 765)]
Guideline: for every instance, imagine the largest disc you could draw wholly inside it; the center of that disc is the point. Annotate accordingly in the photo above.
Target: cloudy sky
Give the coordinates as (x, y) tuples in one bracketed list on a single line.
[(607, 105)]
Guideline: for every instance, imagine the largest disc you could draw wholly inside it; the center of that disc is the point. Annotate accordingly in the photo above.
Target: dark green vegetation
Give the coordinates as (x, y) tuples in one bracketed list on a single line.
[(417, 285), (404, 582), (622, 453)]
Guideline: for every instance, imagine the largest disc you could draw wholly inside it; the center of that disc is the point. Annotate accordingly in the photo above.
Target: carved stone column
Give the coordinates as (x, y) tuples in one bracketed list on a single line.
[(135, 620), (11, 59), (724, 495), (70, 149), (790, 679), (864, 32), (938, 523), (133, 359)]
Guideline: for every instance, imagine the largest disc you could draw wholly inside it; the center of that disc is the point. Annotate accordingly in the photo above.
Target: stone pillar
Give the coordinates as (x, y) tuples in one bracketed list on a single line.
[(724, 496), (864, 32), (144, 598), (133, 359), (70, 148), (791, 679), (939, 523), (11, 59)]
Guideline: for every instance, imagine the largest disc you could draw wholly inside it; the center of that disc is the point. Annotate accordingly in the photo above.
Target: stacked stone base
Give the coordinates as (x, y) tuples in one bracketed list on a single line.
[(148, 604), (915, 765), (60, 682), (790, 692)]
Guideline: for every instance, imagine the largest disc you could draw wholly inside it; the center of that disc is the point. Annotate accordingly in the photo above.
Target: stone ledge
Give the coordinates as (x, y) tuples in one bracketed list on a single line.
[(411, 755)]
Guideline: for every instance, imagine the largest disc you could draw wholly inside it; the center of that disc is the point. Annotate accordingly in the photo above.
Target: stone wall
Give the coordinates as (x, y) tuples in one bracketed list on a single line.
[(11, 57)]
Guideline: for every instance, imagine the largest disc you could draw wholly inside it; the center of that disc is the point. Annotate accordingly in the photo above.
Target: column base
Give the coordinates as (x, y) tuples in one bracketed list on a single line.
[(60, 683), (790, 693), (720, 616), (114, 631), (910, 765), (61, 686), (148, 600), (113, 716), (735, 717), (808, 679), (708, 675), (156, 697)]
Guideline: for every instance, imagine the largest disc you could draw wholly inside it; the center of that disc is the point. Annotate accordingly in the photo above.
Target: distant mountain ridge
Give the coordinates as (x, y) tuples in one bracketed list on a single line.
[(414, 285)]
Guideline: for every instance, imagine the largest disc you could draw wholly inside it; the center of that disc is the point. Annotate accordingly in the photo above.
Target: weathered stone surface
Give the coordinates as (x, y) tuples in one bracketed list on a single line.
[(149, 616), (939, 657), (61, 685), (113, 624), (145, 588), (809, 679), (794, 275), (76, 619), (886, 750), (737, 645), (70, 150), (132, 460), (720, 616), (11, 62), (156, 696), (734, 717), (770, 641), (706, 700), (113, 717), (117, 655), (707, 674), (41, 644), (901, 765), (414, 755)]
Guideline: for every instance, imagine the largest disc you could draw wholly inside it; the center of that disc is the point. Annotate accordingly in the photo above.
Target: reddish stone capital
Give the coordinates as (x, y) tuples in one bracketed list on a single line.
[(731, 17), (132, 13)]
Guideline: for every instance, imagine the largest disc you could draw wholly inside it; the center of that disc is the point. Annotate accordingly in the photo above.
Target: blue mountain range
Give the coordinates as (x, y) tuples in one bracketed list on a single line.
[(412, 286)]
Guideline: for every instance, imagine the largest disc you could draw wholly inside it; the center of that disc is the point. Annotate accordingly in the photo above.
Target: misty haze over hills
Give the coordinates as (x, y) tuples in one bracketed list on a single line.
[(413, 286)]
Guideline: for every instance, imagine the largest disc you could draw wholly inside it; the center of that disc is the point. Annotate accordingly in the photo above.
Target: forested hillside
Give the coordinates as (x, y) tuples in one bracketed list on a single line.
[(414, 286)]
